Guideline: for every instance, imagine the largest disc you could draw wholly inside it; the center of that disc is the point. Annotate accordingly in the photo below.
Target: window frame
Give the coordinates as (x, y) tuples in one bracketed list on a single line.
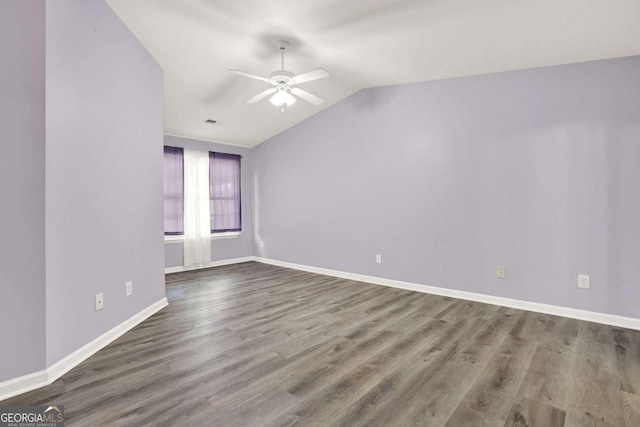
[(164, 196), (178, 237), (224, 232)]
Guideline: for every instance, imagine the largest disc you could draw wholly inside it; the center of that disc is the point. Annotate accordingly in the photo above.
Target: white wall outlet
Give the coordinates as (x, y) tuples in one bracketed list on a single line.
[(501, 272), (99, 301), (379, 259), (583, 281), (128, 288)]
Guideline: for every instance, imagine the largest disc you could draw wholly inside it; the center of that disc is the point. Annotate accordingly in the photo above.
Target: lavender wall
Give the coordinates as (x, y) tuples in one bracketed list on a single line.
[(22, 117), (104, 193), (221, 249), (536, 170)]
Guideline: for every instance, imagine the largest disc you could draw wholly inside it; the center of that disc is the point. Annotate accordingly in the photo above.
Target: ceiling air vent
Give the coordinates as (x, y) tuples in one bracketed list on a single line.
[(211, 122)]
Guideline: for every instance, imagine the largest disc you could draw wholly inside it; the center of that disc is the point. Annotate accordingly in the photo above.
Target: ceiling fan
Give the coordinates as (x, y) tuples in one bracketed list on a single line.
[(284, 84)]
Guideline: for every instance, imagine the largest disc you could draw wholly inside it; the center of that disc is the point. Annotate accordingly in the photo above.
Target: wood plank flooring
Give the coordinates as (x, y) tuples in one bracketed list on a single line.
[(258, 345)]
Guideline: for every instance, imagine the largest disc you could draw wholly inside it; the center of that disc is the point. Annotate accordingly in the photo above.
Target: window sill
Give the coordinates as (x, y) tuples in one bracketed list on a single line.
[(227, 235), (173, 239), (214, 236)]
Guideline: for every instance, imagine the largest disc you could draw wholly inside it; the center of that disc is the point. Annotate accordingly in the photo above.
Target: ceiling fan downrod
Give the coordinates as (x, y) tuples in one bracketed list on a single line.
[(283, 45)]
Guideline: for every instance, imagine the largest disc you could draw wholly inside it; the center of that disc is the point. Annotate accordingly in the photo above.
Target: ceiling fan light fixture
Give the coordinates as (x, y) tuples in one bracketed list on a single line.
[(281, 98)]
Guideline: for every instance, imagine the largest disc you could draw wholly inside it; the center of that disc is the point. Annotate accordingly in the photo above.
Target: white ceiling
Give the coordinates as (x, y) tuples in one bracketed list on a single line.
[(362, 43)]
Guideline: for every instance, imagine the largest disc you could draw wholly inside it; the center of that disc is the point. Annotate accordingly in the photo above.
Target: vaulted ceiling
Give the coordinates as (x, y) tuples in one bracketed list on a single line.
[(362, 43)]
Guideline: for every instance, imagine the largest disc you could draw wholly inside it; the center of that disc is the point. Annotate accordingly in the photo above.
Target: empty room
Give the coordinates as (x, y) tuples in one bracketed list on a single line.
[(320, 213)]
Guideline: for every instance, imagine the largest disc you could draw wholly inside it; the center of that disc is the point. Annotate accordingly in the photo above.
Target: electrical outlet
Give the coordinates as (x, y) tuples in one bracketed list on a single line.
[(99, 301), (501, 272), (379, 259), (583, 281), (128, 288)]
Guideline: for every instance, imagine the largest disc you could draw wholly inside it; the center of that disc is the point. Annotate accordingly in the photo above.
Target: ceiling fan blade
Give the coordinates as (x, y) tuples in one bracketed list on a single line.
[(316, 74), (309, 97), (261, 95), (251, 76)]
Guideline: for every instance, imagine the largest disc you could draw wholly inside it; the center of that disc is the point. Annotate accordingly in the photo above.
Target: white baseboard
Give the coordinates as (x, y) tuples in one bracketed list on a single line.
[(30, 382), (22, 384), (64, 365), (180, 268), (589, 316)]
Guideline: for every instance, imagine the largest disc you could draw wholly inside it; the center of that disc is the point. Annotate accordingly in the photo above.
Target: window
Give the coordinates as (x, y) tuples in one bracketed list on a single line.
[(173, 191), (224, 192)]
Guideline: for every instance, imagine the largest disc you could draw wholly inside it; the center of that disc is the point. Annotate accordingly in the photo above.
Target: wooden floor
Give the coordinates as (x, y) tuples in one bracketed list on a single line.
[(253, 344)]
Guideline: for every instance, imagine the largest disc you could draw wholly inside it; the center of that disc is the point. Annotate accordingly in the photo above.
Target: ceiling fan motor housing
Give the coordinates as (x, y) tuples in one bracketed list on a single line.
[(281, 77)]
